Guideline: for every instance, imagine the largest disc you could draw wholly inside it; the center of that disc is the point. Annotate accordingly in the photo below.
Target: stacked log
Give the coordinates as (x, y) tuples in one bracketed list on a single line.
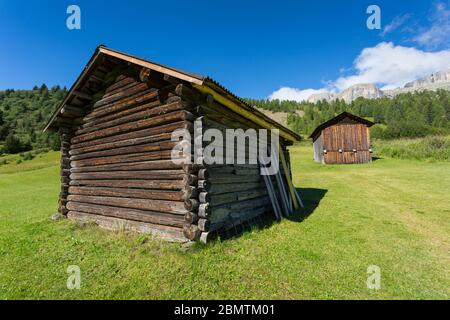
[(230, 194), (65, 134), (119, 161)]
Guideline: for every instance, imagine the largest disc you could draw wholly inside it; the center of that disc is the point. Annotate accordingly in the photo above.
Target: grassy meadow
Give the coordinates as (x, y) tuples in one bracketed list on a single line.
[(392, 213)]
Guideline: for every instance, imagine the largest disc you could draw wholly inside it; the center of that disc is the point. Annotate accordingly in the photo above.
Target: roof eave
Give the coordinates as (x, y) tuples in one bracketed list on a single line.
[(196, 80)]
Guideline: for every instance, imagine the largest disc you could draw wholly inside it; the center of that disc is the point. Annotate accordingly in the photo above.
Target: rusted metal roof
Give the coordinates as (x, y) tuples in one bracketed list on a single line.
[(192, 78)]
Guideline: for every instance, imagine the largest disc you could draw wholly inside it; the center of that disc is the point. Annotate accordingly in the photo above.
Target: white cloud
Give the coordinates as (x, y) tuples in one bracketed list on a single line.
[(438, 33), (386, 65), (392, 66), (395, 24), (293, 94)]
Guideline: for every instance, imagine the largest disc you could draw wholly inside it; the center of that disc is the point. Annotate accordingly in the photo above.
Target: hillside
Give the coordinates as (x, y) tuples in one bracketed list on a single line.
[(405, 115), (432, 82), (23, 114)]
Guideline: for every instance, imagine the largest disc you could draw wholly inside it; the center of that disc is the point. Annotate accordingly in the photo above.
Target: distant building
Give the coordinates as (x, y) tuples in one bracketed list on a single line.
[(344, 139)]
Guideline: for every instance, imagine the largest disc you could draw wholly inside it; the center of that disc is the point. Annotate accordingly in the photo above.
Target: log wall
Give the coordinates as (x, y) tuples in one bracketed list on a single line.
[(116, 165), (117, 168), (229, 194)]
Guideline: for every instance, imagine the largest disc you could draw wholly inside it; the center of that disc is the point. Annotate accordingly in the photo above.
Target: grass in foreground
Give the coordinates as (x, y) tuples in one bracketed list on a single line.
[(391, 213)]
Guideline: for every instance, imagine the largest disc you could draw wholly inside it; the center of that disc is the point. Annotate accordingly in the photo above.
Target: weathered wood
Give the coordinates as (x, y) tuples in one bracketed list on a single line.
[(232, 197), (111, 223), (226, 179), (118, 85), (174, 207), (204, 184), (72, 111), (133, 100), (82, 95), (204, 224), (140, 124), (190, 192), (133, 166), (138, 87), (155, 146), (224, 188), (203, 174), (129, 193), (126, 112), (191, 231), (126, 158), (204, 197), (206, 237), (151, 109), (142, 184), (223, 211), (230, 221), (187, 93), (129, 137), (118, 163), (127, 213), (204, 210), (138, 175), (191, 205), (191, 217), (123, 143)]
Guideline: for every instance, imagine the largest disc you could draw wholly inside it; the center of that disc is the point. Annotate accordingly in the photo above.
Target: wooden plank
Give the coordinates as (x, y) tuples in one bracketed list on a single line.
[(124, 158), (165, 206), (129, 193), (167, 233), (132, 166), (138, 175), (140, 184), (149, 147), (152, 109), (120, 105), (140, 124), (138, 87), (127, 213), (144, 133), (122, 143), (119, 114)]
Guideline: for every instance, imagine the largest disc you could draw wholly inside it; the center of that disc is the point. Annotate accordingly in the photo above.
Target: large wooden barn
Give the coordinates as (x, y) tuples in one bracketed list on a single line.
[(117, 168), (345, 139)]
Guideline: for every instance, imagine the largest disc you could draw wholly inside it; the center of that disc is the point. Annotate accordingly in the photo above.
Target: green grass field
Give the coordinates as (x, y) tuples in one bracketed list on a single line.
[(391, 213)]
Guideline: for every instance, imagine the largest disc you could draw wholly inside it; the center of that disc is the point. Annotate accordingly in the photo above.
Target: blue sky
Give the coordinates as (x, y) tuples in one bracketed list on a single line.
[(254, 48)]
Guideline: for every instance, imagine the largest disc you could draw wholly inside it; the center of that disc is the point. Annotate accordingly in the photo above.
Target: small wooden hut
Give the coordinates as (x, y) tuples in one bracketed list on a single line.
[(115, 126), (345, 139)]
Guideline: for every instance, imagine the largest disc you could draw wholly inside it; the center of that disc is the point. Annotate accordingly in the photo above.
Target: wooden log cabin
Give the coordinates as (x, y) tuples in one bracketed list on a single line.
[(345, 139), (117, 168)]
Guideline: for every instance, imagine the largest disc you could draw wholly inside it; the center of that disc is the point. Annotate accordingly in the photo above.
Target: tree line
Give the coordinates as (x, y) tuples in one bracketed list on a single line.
[(409, 115), (23, 115)]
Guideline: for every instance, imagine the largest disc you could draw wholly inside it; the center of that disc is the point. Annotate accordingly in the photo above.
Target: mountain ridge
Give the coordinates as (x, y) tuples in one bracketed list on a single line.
[(434, 81)]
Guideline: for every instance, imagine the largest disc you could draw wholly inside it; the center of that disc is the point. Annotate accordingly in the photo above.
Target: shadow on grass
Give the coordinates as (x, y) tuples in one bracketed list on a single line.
[(311, 198)]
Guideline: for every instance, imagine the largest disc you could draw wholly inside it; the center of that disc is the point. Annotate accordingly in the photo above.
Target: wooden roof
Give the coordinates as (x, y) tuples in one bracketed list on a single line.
[(104, 58), (338, 119)]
